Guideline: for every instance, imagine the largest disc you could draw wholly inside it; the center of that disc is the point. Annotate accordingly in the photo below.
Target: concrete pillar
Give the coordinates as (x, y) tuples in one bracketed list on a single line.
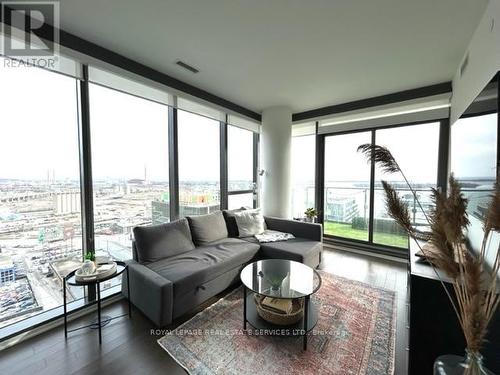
[(275, 145)]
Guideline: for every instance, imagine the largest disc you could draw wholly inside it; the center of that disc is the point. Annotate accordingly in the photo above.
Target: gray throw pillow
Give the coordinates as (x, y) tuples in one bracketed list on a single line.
[(155, 242), (208, 228)]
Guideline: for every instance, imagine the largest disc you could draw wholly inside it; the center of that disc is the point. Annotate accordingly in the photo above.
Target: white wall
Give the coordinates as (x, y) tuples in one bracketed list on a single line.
[(275, 146), (484, 61)]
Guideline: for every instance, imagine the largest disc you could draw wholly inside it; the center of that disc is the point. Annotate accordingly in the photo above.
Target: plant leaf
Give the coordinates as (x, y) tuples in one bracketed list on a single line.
[(381, 155)]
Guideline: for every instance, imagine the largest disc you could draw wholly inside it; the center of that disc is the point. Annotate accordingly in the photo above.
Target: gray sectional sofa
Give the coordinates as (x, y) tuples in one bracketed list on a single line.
[(177, 266)]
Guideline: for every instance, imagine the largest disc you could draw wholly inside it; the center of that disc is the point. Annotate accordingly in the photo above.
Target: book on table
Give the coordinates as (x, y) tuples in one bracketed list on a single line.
[(279, 305)]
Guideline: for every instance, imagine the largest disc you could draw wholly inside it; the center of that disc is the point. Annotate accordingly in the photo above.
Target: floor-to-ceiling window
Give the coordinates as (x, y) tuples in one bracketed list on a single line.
[(130, 170), (474, 158), (240, 158), (474, 163), (349, 212), (347, 187), (40, 225), (199, 164), (415, 149)]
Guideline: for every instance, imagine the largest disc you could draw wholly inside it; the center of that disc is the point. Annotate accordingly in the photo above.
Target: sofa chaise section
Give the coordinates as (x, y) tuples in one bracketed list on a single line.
[(305, 248)]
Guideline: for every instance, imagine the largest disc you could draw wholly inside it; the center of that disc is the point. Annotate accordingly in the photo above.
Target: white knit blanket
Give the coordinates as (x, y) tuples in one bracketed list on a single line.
[(273, 236)]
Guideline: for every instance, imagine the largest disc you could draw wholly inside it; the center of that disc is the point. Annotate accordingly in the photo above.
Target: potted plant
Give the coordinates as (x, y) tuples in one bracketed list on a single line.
[(311, 214), (90, 255), (474, 296), (89, 265)]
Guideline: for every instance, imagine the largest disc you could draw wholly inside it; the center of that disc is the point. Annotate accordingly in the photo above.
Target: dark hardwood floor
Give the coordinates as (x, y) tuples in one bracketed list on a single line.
[(130, 347)]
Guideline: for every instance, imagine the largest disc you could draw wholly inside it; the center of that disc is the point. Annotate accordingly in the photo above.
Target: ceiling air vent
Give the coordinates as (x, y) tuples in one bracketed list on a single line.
[(182, 64)]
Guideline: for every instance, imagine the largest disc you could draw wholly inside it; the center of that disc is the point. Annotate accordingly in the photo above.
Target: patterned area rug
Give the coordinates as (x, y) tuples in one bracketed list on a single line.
[(355, 335)]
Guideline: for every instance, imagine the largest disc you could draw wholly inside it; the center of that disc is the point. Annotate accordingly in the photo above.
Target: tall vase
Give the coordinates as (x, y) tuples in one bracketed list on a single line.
[(470, 364)]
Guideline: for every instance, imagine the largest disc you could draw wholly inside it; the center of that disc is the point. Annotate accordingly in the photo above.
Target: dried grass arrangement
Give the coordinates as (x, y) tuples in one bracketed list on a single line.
[(475, 294)]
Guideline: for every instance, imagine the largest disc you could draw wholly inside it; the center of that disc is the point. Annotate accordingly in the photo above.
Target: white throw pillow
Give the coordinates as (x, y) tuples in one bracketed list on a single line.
[(250, 222)]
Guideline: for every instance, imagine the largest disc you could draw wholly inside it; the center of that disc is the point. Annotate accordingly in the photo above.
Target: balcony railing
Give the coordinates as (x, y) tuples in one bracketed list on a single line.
[(347, 210)]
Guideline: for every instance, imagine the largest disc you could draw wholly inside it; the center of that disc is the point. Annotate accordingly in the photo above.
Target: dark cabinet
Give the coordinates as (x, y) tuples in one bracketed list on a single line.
[(434, 328)]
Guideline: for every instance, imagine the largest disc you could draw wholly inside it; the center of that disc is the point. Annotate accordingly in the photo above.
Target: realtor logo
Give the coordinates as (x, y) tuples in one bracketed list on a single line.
[(30, 31)]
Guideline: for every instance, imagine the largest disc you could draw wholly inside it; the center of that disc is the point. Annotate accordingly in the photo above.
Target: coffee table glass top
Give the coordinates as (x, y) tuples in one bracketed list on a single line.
[(281, 278)]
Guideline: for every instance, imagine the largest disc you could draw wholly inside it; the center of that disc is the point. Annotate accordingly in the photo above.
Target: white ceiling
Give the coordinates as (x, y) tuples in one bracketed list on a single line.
[(301, 53)]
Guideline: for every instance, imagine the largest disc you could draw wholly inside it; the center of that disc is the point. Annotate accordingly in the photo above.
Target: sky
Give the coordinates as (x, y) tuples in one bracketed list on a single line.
[(39, 133), (128, 135), (474, 147), (342, 161), (240, 158), (303, 159), (415, 149), (198, 148), (473, 152), (38, 128)]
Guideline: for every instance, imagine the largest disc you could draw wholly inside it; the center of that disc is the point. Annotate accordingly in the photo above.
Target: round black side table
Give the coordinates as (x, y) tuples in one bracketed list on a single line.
[(70, 279), (302, 282)]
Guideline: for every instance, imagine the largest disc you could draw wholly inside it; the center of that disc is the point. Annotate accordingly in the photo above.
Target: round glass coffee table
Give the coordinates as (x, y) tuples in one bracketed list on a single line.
[(282, 279)]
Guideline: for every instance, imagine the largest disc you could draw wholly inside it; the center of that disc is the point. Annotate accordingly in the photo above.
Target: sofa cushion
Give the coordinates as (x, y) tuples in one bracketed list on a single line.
[(232, 227), (251, 239), (207, 228), (250, 222), (155, 242), (298, 249), (194, 268)]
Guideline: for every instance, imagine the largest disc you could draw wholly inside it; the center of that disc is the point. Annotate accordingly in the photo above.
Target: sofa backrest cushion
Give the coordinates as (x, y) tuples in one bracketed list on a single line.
[(155, 242), (250, 222), (207, 228), (232, 226)]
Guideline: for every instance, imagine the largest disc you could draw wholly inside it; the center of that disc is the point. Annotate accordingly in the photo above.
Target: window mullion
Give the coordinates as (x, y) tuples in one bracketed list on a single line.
[(319, 200), (256, 192), (372, 192), (173, 167), (443, 154), (223, 165), (87, 195)]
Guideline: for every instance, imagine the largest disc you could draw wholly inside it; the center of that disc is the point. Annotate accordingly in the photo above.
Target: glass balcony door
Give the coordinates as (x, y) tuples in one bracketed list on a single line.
[(347, 187), (416, 151), (354, 201)]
